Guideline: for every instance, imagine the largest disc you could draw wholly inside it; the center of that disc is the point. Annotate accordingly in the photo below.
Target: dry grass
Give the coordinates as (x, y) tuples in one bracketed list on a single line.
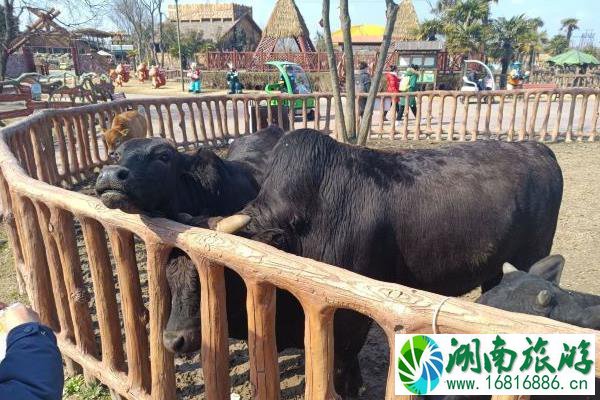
[(8, 277)]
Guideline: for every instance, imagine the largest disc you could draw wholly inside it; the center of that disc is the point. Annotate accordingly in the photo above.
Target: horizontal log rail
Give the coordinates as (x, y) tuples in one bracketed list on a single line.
[(54, 147)]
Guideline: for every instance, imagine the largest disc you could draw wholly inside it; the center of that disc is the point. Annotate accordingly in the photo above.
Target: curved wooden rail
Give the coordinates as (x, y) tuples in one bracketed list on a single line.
[(61, 147)]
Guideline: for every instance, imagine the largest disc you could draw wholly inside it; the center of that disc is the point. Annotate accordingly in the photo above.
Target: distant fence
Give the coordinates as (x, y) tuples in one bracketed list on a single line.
[(57, 148), (544, 115), (564, 80)]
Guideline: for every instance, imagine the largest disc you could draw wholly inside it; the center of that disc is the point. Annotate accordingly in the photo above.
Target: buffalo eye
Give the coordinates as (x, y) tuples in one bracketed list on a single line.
[(164, 157), (543, 298)]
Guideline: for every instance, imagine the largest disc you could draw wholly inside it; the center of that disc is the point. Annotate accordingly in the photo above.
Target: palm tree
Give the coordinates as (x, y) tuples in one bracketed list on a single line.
[(557, 45), (507, 34), (569, 25), (430, 28), (533, 42)]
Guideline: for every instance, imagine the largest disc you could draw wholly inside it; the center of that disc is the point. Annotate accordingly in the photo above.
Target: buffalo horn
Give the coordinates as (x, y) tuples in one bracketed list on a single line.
[(507, 268), (232, 224)]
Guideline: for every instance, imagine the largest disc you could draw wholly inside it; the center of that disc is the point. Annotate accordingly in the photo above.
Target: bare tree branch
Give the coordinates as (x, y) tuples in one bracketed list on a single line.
[(335, 79), (365, 124), (349, 70)]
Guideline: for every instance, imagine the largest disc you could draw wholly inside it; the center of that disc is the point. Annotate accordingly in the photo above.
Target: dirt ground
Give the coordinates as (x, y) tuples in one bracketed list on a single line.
[(577, 238)]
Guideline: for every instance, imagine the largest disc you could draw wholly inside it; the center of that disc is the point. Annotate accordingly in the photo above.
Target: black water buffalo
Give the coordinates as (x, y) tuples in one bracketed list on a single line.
[(538, 293), (443, 220), (153, 178)]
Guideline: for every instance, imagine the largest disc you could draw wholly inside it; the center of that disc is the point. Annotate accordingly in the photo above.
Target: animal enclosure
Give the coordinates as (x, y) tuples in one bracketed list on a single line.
[(44, 155)]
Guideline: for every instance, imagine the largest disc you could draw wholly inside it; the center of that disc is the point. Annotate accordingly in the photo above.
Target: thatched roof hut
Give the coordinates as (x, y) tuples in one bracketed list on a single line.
[(285, 22), (407, 23)]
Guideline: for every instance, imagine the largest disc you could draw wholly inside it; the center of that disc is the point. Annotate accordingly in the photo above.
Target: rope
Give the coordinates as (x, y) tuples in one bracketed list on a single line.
[(436, 313)]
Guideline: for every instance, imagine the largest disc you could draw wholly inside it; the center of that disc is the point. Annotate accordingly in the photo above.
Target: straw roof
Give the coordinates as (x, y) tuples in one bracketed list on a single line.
[(407, 22), (286, 21)]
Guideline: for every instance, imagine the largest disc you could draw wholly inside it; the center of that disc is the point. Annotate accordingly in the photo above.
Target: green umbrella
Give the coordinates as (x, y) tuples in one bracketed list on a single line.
[(574, 57)]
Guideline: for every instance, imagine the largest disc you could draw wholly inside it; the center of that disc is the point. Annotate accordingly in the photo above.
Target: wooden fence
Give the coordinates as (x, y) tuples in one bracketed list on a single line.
[(53, 149), (544, 115), (567, 80)]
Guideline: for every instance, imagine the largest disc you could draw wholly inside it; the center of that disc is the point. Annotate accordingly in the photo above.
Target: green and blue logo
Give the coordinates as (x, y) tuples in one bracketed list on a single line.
[(420, 364)]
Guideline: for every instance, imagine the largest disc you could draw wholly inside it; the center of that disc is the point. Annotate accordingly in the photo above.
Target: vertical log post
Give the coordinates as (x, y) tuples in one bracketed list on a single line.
[(556, 130), (215, 345), (62, 229), (61, 295), (582, 115), (162, 366), (134, 316), (105, 294), (262, 346), (37, 277), (319, 352), (569, 134)]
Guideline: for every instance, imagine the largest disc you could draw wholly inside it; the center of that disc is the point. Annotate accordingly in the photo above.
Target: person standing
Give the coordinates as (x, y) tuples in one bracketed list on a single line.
[(362, 84), (408, 84), (393, 86)]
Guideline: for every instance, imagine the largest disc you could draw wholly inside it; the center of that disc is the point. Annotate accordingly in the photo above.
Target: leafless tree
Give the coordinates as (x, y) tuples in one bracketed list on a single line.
[(134, 18), (346, 125), (348, 70), (335, 79), (391, 14), (9, 33), (154, 8)]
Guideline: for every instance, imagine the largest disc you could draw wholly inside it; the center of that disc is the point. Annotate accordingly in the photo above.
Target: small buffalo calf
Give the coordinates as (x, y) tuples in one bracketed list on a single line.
[(126, 125)]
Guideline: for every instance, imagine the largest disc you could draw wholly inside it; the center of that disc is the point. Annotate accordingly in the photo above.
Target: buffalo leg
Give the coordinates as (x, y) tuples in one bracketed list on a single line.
[(347, 376)]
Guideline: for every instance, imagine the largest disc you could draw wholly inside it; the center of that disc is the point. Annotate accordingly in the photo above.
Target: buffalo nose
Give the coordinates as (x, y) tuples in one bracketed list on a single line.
[(173, 341), (115, 173)]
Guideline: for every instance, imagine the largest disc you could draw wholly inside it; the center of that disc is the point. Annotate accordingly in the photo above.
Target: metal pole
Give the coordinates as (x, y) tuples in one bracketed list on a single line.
[(179, 46)]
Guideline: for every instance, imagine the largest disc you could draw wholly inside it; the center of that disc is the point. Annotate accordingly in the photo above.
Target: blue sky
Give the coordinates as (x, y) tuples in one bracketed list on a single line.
[(373, 11)]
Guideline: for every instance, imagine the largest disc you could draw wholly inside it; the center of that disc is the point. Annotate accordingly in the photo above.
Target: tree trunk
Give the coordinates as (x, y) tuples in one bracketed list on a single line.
[(531, 60), (10, 32), (160, 36), (335, 79), (365, 123), (350, 111)]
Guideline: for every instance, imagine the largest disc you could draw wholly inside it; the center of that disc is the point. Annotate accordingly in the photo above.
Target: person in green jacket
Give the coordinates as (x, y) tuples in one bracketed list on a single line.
[(409, 84)]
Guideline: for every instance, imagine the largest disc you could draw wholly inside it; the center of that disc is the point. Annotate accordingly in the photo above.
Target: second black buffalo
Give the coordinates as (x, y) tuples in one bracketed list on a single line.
[(444, 220)]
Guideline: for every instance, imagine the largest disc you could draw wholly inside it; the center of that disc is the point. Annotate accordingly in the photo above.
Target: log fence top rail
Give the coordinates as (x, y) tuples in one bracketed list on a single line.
[(393, 306)]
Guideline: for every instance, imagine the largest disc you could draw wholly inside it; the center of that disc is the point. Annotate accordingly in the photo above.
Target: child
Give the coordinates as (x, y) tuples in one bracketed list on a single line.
[(194, 75)]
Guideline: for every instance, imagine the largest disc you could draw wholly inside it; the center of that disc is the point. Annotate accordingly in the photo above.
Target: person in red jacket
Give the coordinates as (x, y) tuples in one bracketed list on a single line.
[(393, 86)]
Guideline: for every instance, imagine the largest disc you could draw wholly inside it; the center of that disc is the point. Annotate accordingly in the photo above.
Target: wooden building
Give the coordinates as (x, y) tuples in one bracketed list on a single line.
[(230, 25)]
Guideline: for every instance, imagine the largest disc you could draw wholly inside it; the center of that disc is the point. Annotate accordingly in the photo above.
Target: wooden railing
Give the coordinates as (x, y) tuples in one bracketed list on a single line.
[(566, 80), (544, 115), (56, 148)]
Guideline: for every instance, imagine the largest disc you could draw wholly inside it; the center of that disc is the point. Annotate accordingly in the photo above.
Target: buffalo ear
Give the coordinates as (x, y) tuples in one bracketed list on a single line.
[(591, 317), (549, 268)]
